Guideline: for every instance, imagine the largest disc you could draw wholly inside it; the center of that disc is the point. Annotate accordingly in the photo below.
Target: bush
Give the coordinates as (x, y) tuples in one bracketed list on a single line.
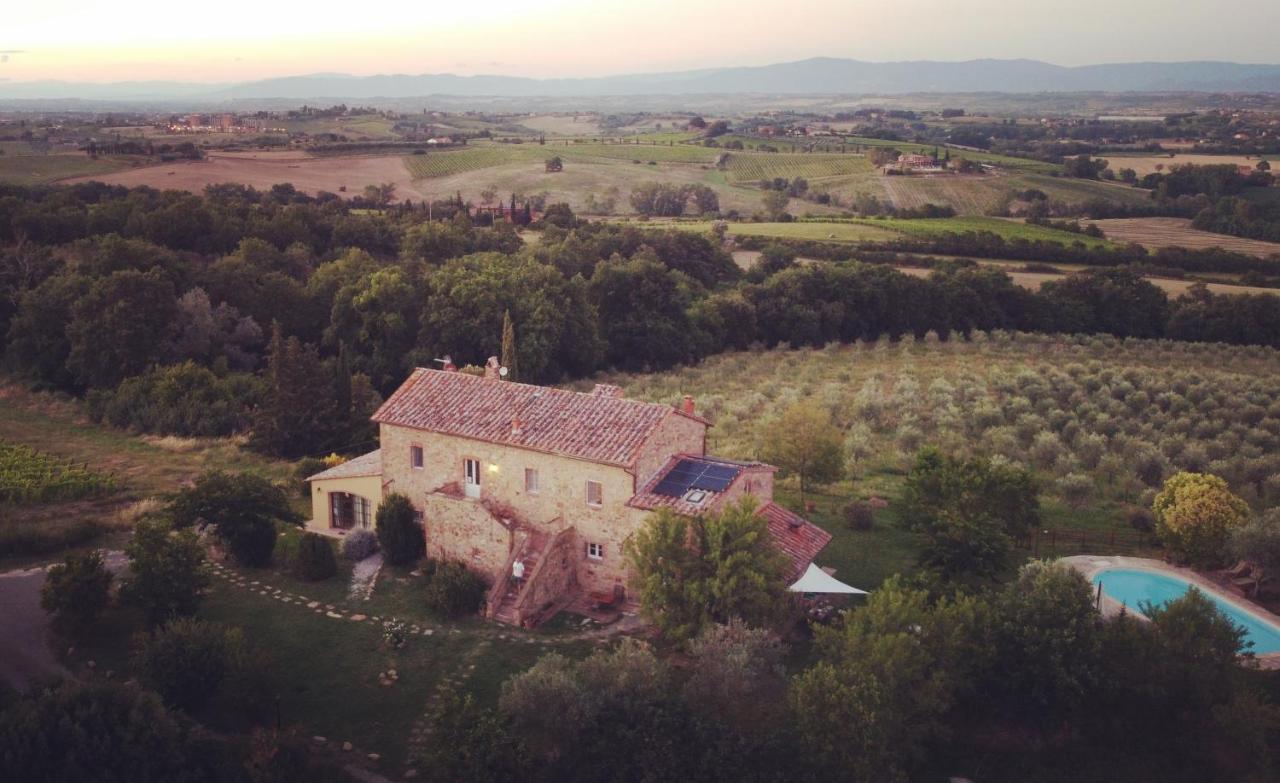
[(359, 544), (399, 534), (859, 515), (76, 591), (242, 509), (307, 466), (167, 574), (1195, 514), (1140, 519), (454, 591), (102, 731), (314, 561), (188, 660)]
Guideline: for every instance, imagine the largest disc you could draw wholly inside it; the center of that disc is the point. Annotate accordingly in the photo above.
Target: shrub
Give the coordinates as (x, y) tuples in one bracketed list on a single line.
[(76, 591), (1140, 518), (101, 731), (1195, 514), (454, 591), (859, 515), (314, 561), (359, 544), (399, 535), (180, 399), (167, 573), (188, 660), (242, 509), (307, 466)]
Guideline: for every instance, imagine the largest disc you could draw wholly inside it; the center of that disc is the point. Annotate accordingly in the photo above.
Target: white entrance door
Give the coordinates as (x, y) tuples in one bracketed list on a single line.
[(471, 486)]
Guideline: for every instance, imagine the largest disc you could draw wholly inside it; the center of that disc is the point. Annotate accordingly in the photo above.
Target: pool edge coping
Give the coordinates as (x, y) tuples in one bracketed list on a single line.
[(1090, 565)]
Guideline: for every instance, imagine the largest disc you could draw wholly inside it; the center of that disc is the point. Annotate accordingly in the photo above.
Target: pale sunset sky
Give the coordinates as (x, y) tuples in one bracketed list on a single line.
[(240, 40)]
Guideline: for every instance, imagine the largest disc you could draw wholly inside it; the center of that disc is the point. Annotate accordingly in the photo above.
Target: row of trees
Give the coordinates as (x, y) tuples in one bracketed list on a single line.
[(295, 335)]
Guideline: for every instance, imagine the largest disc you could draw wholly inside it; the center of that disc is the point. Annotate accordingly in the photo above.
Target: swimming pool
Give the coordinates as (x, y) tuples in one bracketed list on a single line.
[(1134, 587)]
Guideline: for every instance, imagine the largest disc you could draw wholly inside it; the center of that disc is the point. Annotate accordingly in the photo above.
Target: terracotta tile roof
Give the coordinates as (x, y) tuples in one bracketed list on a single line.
[(798, 538), (364, 465), (595, 427)]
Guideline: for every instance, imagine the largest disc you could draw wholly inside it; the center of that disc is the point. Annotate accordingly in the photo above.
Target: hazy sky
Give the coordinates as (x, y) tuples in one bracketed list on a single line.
[(232, 40)]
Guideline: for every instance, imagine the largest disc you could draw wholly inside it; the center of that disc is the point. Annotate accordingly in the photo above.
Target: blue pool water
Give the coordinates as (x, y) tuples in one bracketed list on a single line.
[(1134, 587)]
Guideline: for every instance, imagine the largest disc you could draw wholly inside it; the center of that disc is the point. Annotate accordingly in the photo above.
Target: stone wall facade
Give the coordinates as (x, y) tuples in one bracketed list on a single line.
[(464, 529)]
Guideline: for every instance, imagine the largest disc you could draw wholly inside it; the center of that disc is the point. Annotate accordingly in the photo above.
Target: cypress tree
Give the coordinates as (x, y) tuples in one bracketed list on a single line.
[(509, 359)]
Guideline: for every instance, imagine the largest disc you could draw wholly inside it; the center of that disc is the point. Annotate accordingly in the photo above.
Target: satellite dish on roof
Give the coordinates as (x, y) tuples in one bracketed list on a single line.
[(503, 371)]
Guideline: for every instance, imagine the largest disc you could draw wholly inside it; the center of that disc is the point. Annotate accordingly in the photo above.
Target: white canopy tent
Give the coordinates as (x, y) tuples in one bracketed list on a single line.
[(815, 580)]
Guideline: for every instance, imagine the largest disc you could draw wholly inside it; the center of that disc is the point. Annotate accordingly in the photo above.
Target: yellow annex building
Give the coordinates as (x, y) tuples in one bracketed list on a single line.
[(543, 481)]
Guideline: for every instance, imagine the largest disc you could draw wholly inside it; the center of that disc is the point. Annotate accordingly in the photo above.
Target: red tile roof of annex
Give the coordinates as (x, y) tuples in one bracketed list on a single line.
[(798, 538), (594, 427)]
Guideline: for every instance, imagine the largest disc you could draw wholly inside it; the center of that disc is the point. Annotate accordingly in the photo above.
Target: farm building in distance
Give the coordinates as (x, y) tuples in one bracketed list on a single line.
[(545, 481)]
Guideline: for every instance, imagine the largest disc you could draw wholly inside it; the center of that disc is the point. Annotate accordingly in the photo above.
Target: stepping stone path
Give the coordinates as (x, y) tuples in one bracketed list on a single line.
[(363, 576), (453, 683)]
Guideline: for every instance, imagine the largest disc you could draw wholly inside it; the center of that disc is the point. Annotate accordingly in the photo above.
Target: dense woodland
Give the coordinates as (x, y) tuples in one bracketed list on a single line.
[(291, 315)]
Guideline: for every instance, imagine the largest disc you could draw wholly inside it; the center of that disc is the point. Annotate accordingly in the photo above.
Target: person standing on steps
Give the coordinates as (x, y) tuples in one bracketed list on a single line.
[(517, 572)]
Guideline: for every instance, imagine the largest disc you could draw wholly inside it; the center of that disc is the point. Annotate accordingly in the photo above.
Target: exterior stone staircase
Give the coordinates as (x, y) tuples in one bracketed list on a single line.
[(505, 594)]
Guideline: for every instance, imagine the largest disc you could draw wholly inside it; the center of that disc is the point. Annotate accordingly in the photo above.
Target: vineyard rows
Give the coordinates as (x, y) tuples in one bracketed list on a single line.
[(30, 476), (771, 165)]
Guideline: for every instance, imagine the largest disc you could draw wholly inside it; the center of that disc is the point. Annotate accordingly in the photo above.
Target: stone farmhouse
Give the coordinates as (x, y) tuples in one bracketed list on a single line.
[(558, 480)]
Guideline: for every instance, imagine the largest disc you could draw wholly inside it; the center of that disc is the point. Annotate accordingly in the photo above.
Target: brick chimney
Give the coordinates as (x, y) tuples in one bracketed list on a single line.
[(686, 405), (491, 369)]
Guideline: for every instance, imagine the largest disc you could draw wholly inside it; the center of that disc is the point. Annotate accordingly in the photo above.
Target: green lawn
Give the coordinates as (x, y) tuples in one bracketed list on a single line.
[(1008, 229), (45, 169), (880, 229)]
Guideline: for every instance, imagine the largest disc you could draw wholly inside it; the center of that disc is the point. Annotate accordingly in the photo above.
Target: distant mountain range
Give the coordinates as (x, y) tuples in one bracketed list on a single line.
[(817, 76)]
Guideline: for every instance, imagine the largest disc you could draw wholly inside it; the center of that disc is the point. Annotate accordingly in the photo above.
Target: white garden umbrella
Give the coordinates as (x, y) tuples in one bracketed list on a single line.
[(815, 580)]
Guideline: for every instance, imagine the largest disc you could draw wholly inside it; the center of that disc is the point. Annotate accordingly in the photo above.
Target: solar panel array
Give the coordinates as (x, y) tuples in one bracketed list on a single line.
[(696, 474)]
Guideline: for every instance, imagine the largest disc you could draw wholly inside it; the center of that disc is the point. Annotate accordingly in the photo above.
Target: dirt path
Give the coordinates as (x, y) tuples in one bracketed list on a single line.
[(26, 656)]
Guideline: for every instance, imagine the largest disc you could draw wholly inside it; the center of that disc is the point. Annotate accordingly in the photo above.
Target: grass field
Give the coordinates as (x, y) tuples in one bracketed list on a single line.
[(344, 175), (1177, 232), (141, 468), (662, 153), (980, 195), (1174, 288), (45, 169), (1150, 164), (1008, 229), (874, 229), (337, 694)]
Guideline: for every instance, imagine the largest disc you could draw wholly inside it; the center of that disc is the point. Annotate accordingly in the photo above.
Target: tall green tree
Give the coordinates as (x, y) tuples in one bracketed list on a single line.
[(967, 513), (888, 679), (167, 576), (121, 326), (804, 442), (697, 570), (643, 312), (510, 357), (76, 591)]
